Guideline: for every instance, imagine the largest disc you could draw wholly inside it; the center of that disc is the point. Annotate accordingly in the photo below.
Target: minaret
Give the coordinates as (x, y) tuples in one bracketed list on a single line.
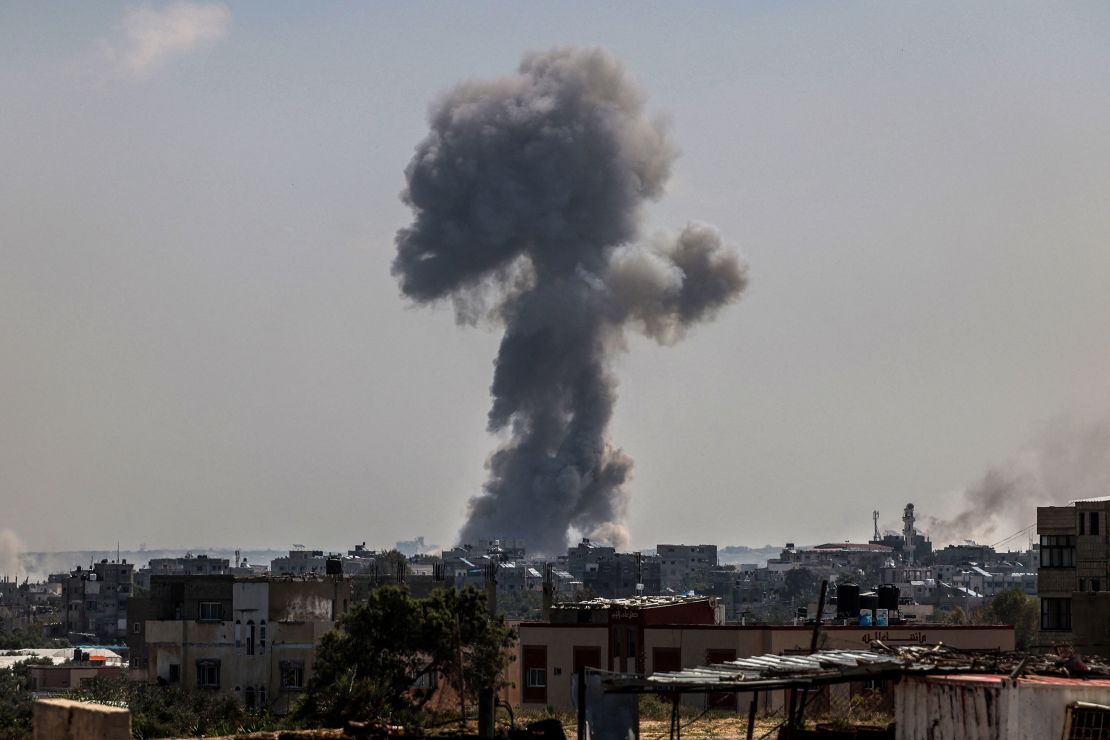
[(908, 533)]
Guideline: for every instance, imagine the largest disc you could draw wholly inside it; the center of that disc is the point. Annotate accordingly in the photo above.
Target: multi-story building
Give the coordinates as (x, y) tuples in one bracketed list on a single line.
[(251, 638), (962, 554), (610, 574), (990, 583), (1074, 567), (16, 608), (686, 566), (584, 554), (96, 600), (189, 565), (301, 562), (831, 556)]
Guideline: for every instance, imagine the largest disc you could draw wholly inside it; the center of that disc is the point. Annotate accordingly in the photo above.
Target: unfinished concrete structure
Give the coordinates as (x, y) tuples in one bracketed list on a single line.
[(96, 601), (1074, 567), (252, 638)]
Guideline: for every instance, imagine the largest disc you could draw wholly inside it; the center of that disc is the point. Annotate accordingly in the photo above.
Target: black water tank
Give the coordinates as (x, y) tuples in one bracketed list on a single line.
[(847, 601), (333, 567), (888, 597), (869, 601)]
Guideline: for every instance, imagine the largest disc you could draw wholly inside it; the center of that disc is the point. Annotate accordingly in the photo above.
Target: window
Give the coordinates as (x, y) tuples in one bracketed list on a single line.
[(292, 674), (208, 674), (1082, 520), (262, 637), (248, 697), (262, 698), (1086, 721), (1094, 523), (533, 674), (1057, 551), (1055, 614), (1096, 584), (250, 637), (211, 611), (537, 678), (175, 672), (238, 634), (136, 627)]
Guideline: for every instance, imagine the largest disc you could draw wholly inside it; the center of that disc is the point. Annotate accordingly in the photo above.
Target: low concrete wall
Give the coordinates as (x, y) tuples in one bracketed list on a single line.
[(63, 719)]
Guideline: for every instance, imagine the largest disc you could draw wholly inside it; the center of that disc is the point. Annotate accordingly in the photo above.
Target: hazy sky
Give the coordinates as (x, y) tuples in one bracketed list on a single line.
[(202, 343)]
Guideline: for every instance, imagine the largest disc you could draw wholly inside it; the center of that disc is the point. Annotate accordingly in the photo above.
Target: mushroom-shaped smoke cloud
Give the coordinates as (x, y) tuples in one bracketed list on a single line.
[(526, 196)]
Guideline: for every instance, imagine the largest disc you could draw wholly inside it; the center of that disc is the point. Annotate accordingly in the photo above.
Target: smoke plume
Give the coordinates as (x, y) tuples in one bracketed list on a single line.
[(527, 197), (11, 563), (1068, 459)]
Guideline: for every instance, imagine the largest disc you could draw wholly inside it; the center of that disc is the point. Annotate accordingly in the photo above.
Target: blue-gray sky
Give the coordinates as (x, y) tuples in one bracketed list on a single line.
[(202, 343)]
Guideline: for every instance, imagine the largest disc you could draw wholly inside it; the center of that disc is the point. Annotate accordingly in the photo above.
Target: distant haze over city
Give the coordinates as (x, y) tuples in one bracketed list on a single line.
[(211, 333)]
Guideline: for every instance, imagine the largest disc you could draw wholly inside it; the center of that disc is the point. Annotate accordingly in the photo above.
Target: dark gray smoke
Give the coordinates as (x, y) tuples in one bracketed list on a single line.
[(1068, 459), (527, 198)]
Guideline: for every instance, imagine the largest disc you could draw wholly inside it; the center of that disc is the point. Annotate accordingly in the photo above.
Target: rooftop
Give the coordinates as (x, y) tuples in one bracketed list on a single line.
[(633, 602), (835, 666)]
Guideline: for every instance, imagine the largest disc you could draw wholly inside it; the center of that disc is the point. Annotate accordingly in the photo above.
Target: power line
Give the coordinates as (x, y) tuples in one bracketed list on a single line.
[(1015, 534)]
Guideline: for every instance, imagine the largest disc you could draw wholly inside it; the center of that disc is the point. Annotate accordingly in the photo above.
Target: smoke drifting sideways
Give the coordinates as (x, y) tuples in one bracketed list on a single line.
[(1068, 459), (527, 197), (11, 563)]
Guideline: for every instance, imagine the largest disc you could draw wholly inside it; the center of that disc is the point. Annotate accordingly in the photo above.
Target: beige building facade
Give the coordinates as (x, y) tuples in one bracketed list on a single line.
[(258, 644), (548, 655)]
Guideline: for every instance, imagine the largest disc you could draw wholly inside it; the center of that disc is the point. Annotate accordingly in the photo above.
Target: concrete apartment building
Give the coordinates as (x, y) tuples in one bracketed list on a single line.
[(1074, 568), (251, 638), (610, 574), (988, 583), (672, 633), (685, 567), (96, 601), (828, 558), (301, 562), (189, 565)]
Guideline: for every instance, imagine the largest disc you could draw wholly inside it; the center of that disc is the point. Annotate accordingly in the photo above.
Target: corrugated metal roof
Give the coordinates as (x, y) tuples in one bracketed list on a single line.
[(632, 602), (833, 666), (778, 666), (994, 678)]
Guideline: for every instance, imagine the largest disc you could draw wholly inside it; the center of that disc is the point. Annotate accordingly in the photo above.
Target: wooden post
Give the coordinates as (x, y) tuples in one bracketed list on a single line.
[(751, 715)]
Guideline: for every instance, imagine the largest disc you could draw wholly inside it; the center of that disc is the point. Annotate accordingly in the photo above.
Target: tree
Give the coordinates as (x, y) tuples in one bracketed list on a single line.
[(16, 698), (800, 583), (1016, 608), (29, 638), (171, 711), (520, 604), (392, 564), (371, 665)]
